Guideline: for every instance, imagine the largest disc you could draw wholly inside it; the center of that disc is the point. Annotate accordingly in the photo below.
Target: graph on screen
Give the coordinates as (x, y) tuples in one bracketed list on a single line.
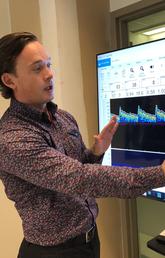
[(131, 85)]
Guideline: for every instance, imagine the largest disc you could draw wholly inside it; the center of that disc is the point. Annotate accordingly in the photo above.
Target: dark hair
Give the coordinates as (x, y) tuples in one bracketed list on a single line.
[(11, 45)]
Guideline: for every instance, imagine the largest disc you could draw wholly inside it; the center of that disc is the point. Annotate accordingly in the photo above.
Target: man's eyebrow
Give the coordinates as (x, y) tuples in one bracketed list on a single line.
[(40, 61)]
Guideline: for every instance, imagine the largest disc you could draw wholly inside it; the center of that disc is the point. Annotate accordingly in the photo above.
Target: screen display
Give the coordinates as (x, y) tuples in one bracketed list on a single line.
[(131, 85)]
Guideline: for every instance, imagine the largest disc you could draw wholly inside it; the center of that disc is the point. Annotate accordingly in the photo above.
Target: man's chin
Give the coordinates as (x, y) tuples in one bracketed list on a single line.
[(50, 98)]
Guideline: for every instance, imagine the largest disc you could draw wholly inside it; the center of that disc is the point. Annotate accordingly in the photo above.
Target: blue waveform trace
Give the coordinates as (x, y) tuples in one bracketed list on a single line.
[(160, 115), (141, 117), (125, 117), (144, 117)]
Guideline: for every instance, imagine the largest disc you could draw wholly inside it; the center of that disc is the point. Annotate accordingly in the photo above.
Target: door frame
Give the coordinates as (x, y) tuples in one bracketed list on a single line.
[(118, 36)]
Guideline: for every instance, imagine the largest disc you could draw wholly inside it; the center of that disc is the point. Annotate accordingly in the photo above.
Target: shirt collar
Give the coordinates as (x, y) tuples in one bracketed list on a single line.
[(31, 112)]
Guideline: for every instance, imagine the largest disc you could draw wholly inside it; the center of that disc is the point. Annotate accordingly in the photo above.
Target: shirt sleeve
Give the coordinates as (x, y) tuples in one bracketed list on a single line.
[(89, 157), (27, 155)]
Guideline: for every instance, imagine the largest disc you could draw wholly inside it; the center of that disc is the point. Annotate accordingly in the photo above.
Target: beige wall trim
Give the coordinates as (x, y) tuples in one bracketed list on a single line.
[(93, 18), (25, 16), (5, 20), (129, 234)]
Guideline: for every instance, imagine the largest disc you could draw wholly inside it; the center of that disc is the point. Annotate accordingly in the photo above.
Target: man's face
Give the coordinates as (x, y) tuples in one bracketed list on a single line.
[(33, 82)]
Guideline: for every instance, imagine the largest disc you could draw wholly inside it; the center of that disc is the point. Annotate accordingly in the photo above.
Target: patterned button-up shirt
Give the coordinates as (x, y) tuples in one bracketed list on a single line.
[(54, 179)]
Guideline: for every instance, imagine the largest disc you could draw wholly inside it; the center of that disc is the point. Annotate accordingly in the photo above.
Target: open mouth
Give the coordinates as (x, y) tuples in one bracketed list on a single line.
[(50, 87)]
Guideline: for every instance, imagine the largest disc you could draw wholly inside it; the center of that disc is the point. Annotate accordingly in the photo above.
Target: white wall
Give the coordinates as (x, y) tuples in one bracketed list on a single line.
[(62, 41), (117, 4)]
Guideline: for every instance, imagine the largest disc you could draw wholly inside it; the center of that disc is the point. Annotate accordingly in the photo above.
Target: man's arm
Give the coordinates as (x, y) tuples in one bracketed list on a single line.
[(27, 155), (163, 167)]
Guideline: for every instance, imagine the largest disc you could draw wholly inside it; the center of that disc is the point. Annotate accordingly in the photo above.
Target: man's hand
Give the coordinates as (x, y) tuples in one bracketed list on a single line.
[(163, 167), (103, 140)]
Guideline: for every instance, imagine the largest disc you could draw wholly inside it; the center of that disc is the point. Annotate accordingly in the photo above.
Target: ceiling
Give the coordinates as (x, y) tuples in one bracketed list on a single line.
[(147, 22)]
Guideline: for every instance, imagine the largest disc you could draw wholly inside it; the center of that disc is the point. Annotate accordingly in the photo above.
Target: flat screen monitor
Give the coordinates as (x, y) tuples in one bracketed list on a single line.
[(131, 85)]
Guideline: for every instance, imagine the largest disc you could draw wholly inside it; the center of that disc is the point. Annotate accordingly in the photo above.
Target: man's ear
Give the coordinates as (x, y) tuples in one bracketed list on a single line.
[(8, 80)]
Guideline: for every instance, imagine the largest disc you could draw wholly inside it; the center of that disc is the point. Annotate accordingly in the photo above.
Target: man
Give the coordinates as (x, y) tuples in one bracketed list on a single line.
[(46, 168)]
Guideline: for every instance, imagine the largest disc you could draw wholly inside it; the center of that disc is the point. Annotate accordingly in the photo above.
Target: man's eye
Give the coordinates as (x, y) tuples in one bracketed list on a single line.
[(49, 65), (37, 69)]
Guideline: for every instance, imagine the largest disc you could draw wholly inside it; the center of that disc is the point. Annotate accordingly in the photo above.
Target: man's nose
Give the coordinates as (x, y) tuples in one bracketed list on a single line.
[(48, 74)]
